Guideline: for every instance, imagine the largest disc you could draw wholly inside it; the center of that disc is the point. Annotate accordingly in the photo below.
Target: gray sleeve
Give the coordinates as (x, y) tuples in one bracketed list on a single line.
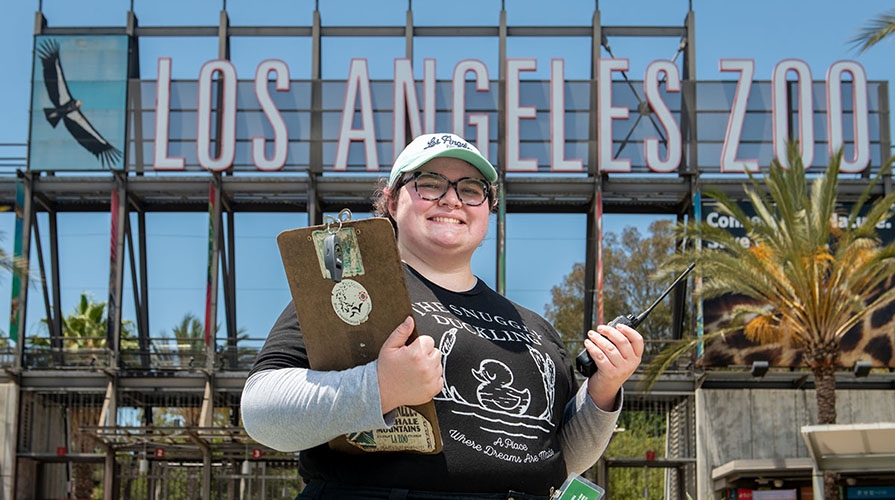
[(586, 430), (292, 409)]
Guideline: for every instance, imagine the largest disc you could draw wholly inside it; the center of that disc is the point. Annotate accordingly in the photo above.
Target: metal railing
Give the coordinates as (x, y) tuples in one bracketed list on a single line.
[(177, 354), (162, 355)]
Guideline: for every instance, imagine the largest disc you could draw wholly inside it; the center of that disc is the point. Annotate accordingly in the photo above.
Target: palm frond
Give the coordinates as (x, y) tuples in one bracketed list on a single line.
[(763, 329), (865, 196), (811, 276), (672, 353), (874, 32)]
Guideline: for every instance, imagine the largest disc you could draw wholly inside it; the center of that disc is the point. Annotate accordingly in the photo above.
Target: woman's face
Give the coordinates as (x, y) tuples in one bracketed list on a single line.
[(440, 228)]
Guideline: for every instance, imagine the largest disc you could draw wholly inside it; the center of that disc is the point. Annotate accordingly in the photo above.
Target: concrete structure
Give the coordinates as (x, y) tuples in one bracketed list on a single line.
[(752, 437)]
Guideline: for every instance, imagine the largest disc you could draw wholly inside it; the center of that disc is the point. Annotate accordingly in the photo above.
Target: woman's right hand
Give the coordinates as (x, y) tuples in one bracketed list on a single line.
[(409, 374)]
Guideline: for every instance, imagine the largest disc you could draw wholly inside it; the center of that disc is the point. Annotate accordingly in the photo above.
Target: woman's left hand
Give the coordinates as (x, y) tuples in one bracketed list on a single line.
[(617, 353)]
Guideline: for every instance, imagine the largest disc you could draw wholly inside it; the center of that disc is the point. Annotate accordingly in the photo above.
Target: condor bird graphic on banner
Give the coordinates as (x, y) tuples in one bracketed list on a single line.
[(81, 83)]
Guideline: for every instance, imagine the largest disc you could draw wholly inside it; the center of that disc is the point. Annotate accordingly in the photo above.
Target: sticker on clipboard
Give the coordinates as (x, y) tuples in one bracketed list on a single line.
[(410, 432), (351, 302)]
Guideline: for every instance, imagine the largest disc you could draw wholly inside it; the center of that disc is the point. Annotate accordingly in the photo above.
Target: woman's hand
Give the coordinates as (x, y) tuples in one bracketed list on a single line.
[(617, 353), (408, 374)]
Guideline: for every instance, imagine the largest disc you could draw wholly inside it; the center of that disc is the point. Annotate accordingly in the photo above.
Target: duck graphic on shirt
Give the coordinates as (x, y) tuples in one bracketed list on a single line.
[(502, 405), (496, 391)]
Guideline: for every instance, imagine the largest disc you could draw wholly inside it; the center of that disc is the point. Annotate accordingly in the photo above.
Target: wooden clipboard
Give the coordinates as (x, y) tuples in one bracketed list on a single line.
[(345, 323)]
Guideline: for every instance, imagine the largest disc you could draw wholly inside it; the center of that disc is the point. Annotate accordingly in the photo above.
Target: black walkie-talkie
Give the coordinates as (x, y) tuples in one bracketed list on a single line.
[(586, 365)]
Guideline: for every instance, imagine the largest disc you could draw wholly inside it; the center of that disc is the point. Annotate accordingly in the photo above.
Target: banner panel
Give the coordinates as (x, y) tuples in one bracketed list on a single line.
[(871, 340), (79, 98)]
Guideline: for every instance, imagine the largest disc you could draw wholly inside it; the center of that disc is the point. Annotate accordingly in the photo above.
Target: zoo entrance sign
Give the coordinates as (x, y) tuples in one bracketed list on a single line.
[(547, 123)]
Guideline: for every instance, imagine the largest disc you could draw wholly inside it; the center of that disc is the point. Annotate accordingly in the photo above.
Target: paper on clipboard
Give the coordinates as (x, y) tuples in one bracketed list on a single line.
[(345, 323)]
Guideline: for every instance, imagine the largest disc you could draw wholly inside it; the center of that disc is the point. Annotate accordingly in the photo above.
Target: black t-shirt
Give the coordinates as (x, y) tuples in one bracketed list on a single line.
[(507, 379)]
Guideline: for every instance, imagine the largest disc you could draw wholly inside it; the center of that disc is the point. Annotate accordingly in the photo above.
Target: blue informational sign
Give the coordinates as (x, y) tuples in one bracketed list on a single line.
[(78, 103), (877, 492)]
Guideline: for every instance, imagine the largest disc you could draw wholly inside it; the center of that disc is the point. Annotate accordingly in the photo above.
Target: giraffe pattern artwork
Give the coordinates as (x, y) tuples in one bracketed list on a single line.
[(873, 339)]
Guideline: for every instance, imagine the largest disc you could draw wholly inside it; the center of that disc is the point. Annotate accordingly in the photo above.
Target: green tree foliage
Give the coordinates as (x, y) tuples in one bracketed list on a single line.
[(630, 266), (86, 328), (814, 280), (188, 347), (638, 432), (190, 350), (566, 311)]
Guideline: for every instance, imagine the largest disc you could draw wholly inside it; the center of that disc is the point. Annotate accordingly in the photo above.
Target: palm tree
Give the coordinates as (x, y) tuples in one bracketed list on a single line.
[(189, 343), (84, 332), (813, 280), (875, 31), (85, 328), (189, 336)]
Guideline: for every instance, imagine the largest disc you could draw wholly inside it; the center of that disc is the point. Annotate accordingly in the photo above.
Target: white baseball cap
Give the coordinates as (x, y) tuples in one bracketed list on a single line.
[(428, 146)]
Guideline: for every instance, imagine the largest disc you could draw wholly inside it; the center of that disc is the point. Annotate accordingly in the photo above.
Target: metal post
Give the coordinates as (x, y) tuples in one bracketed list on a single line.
[(590, 265), (817, 483), (315, 215), (206, 473), (502, 159), (116, 268), (230, 291), (56, 328), (592, 258), (110, 476), (144, 272), (408, 38), (211, 291), (689, 98)]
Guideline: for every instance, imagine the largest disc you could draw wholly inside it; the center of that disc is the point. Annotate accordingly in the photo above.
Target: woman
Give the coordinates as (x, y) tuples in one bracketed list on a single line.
[(513, 420)]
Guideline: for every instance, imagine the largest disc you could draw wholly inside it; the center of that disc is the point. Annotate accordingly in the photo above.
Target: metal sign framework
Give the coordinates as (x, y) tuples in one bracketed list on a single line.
[(315, 193)]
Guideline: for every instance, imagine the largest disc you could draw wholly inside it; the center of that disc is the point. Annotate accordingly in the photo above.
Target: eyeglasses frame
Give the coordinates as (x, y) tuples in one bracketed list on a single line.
[(414, 176)]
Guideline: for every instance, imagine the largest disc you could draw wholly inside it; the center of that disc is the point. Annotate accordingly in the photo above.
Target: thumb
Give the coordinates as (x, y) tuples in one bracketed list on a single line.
[(399, 336)]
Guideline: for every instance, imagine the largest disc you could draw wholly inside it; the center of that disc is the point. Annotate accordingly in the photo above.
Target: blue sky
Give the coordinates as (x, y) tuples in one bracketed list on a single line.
[(766, 31)]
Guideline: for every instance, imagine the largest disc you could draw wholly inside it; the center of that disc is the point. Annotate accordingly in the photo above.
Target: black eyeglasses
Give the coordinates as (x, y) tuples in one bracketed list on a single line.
[(433, 186)]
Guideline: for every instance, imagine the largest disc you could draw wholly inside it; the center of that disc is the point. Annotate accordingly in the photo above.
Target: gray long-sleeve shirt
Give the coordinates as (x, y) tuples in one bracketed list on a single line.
[(292, 409)]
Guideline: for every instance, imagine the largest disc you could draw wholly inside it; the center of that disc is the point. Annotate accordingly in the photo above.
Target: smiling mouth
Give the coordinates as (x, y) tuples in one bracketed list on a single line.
[(449, 220)]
